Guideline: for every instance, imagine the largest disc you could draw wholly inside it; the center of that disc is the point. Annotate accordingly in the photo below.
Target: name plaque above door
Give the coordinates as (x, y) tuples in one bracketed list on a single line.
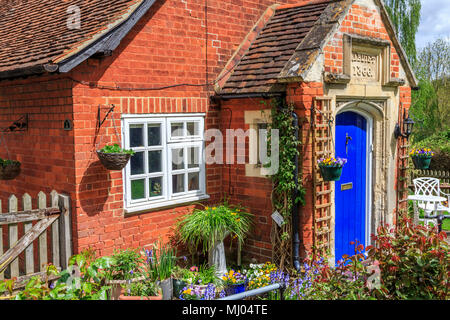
[(364, 66)]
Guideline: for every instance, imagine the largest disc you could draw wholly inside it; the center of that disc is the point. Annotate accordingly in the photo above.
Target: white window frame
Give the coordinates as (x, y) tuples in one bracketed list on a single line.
[(167, 144)]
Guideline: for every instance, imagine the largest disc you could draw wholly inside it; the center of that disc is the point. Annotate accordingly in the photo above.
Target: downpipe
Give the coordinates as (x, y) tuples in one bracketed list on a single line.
[(295, 206)]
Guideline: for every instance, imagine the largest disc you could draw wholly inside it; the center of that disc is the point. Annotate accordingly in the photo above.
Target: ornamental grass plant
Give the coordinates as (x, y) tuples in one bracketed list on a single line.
[(210, 225)]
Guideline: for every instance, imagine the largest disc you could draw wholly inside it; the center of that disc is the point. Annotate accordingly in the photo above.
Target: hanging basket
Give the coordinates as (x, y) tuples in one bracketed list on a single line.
[(9, 171), (331, 173), (113, 161), (421, 163)]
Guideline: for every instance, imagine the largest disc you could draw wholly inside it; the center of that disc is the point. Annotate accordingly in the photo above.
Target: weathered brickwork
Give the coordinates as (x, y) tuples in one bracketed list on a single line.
[(361, 21)]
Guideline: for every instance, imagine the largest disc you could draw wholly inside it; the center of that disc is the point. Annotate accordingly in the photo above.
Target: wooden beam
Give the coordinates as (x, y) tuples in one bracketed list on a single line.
[(25, 241), (27, 216)]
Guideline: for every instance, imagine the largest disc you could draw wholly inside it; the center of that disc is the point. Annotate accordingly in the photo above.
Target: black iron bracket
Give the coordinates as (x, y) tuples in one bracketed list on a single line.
[(19, 125), (100, 122)]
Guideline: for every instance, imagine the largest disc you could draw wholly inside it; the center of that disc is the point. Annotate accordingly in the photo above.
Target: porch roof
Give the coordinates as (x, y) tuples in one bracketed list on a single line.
[(35, 36), (281, 37), (287, 45)]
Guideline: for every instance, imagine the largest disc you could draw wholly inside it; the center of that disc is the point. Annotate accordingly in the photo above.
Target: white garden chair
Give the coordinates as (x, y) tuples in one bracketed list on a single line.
[(426, 186)]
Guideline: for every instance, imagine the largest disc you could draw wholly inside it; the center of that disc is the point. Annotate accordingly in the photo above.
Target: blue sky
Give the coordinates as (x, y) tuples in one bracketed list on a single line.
[(434, 21)]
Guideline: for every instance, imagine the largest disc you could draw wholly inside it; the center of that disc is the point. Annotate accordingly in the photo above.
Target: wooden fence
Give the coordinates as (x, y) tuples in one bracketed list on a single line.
[(45, 235)]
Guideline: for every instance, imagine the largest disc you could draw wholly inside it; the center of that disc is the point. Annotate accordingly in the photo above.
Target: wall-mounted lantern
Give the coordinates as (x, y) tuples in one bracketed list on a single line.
[(405, 128)]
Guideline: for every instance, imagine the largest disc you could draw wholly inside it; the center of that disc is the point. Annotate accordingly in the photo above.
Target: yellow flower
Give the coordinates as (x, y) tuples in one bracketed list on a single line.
[(233, 213), (214, 208), (206, 208)]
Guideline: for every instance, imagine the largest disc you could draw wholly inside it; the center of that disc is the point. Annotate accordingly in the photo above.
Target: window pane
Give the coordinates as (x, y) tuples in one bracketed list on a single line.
[(137, 189), (177, 159), (193, 128), (178, 183), (154, 134), (193, 157), (193, 181), (137, 163), (155, 186), (136, 135), (154, 161), (177, 129)]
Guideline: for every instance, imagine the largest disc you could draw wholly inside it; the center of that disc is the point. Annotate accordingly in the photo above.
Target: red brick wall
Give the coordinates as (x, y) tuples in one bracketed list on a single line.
[(45, 149), (166, 47), (360, 21), (251, 192)]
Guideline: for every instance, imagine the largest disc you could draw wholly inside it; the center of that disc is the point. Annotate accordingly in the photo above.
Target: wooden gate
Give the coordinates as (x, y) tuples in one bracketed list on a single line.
[(322, 146), (45, 236)]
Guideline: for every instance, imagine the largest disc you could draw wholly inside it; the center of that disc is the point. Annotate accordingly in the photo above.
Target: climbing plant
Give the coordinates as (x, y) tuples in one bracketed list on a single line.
[(284, 193)]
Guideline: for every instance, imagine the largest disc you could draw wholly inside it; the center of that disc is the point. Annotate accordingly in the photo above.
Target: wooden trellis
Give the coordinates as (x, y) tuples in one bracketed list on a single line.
[(322, 146), (403, 147)]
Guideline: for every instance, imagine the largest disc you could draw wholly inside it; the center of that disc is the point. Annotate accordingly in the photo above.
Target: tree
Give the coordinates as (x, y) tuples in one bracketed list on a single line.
[(405, 15), (431, 104)]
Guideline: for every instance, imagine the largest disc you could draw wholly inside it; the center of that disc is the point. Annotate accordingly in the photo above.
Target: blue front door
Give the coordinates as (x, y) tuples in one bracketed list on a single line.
[(351, 190)]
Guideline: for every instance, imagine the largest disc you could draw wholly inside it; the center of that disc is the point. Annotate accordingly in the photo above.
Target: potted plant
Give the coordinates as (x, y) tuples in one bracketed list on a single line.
[(421, 158), (193, 293), (201, 277), (234, 282), (160, 263), (210, 226), (143, 290), (179, 279), (127, 267), (113, 157), (331, 168), (9, 169)]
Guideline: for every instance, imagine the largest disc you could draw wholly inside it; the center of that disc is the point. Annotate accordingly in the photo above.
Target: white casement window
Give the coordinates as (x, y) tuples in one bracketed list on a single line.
[(168, 166)]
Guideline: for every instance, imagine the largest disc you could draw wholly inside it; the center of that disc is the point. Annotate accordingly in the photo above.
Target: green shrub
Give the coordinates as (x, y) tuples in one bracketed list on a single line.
[(115, 149), (141, 288), (413, 260), (127, 264)]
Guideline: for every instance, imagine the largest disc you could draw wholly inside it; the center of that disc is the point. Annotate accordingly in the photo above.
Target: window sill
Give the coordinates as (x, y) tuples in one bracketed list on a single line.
[(165, 204)]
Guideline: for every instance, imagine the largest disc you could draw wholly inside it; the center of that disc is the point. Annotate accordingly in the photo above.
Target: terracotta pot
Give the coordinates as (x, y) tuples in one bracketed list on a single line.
[(123, 297), (116, 286)]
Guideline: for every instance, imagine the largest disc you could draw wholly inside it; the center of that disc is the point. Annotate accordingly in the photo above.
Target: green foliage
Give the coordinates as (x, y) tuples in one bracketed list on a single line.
[(284, 182), (431, 103), (405, 15), (126, 264), (180, 273), (116, 149), (84, 279), (160, 261), (413, 260), (439, 141), (142, 288), (212, 224), (203, 275), (5, 163), (86, 284)]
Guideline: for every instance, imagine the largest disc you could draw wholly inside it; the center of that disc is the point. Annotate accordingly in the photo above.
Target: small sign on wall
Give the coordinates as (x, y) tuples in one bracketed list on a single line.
[(278, 218)]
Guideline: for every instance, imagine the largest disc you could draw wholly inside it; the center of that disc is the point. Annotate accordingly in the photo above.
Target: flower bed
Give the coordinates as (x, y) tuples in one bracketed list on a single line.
[(406, 262)]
